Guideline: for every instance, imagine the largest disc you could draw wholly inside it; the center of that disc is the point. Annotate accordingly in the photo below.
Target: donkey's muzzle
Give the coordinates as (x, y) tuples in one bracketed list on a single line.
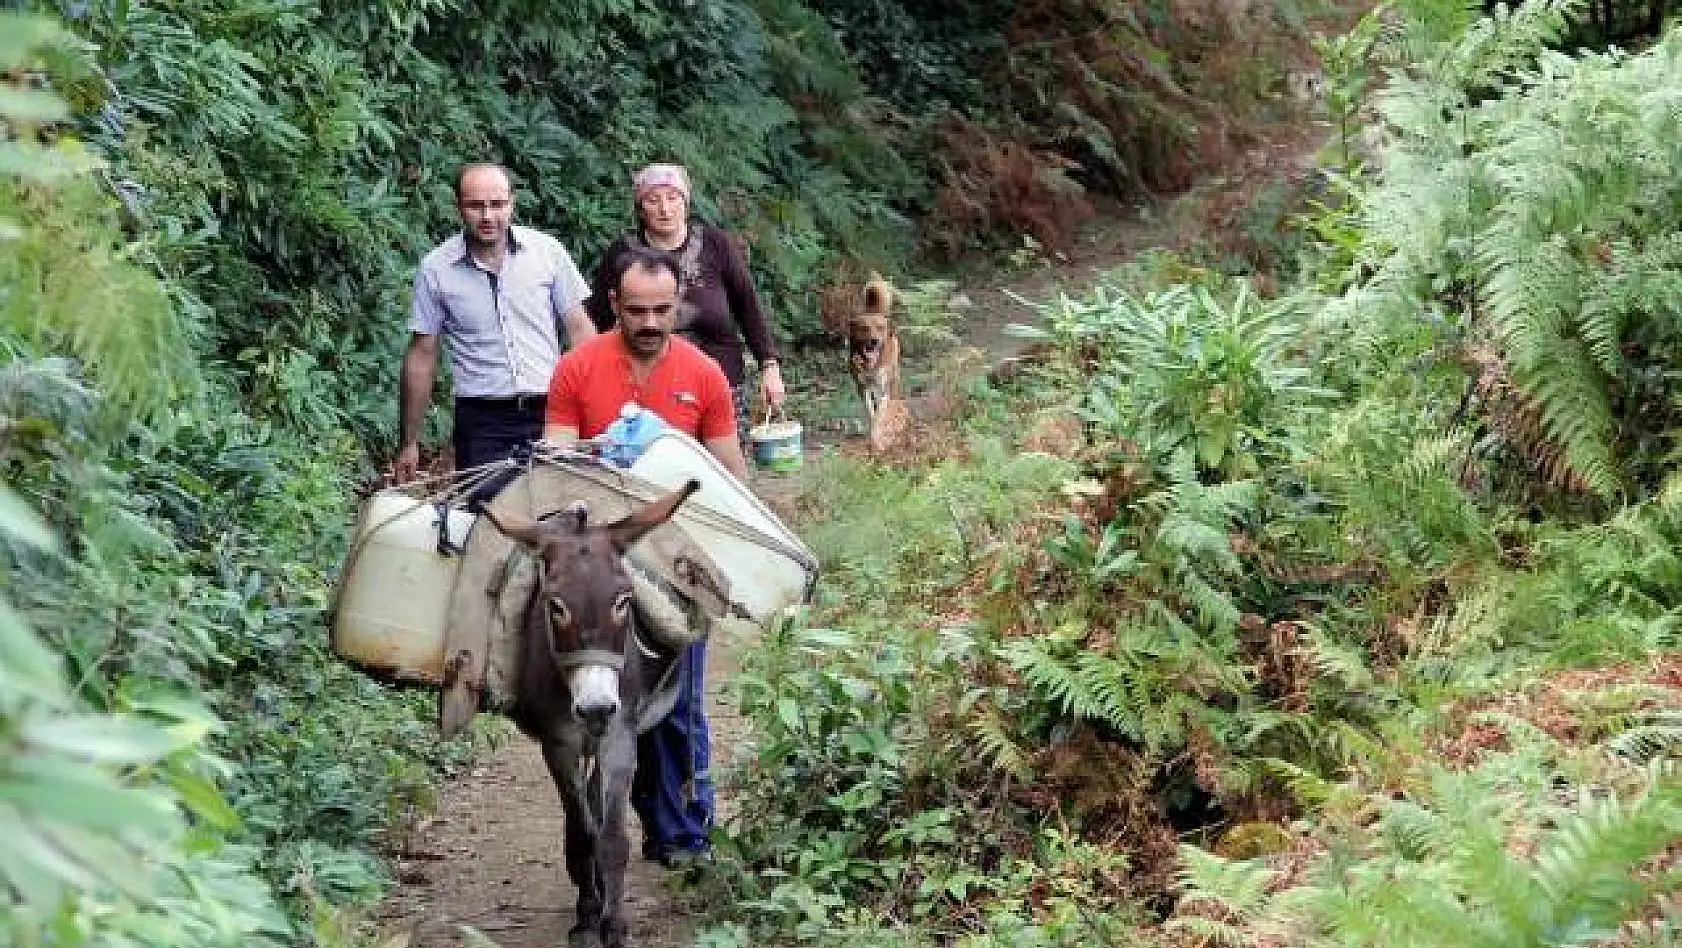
[(595, 696), (595, 718)]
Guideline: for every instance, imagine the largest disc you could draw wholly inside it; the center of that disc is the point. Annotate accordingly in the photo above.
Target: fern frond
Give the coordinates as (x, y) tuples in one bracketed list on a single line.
[(1238, 886), (1306, 787), (1344, 663), (1416, 832), (1205, 931), (1215, 609), (995, 741), (1649, 736), (1589, 867)]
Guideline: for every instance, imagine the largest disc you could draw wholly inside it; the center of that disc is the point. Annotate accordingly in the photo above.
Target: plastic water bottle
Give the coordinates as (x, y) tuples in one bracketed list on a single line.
[(630, 434)]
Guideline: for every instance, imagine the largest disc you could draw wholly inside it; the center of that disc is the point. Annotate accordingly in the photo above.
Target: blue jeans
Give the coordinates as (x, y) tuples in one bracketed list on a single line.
[(673, 789)]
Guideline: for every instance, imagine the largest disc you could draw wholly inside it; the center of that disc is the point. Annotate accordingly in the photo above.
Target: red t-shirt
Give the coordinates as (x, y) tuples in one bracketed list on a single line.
[(686, 389)]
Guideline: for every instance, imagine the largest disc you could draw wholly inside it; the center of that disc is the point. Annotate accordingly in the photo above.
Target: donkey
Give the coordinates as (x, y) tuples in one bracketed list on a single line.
[(584, 673)]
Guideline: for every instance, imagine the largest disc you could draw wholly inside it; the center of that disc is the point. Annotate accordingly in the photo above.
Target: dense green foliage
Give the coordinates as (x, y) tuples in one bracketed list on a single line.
[(1322, 628), (1285, 640), (217, 206)]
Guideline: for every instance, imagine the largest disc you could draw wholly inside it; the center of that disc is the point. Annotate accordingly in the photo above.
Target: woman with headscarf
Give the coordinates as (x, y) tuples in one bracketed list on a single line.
[(718, 309)]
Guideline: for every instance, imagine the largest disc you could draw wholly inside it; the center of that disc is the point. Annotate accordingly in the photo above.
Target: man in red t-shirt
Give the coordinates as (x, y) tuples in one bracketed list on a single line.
[(644, 363)]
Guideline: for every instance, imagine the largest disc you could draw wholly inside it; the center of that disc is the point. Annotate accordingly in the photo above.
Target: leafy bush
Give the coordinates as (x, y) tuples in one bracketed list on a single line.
[(1523, 204), (111, 810)]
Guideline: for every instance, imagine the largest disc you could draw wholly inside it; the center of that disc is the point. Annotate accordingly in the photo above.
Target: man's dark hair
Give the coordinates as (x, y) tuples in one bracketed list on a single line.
[(475, 166), (646, 259)]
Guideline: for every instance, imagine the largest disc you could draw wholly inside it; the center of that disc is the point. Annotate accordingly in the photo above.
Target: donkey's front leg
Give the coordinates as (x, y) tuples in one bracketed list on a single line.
[(613, 849), (580, 844)]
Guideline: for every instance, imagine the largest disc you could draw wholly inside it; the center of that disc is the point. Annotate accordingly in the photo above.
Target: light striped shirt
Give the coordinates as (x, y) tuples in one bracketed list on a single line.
[(500, 328)]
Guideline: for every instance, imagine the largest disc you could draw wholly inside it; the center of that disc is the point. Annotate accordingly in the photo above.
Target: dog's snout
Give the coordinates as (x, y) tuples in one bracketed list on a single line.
[(872, 345)]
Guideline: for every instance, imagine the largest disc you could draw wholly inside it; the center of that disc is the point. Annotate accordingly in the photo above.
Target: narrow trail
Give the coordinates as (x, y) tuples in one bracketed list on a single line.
[(491, 856)]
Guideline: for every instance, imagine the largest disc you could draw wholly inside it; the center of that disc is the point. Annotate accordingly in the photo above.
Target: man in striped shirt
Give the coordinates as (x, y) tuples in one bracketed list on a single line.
[(496, 293)]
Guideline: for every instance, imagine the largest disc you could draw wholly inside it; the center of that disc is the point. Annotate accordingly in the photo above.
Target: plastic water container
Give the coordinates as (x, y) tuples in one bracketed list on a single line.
[(630, 434), (768, 565), (394, 595)]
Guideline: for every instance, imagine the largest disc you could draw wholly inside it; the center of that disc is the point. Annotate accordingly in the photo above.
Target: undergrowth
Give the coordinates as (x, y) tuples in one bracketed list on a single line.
[(1344, 616)]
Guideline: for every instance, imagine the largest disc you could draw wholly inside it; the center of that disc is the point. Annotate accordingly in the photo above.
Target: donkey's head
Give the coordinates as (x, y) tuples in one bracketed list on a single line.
[(583, 595)]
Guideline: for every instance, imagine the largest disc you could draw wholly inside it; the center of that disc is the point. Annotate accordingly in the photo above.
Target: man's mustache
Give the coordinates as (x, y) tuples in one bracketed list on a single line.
[(650, 334)]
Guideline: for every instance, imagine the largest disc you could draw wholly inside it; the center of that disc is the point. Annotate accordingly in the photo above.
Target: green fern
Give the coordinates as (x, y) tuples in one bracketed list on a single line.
[(997, 744), (1152, 691), (1447, 875), (1236, 890), (1543, 185)]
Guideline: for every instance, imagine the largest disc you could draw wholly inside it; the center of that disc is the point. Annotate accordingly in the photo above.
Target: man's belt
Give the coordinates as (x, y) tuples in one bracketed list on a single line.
[(528, 401)]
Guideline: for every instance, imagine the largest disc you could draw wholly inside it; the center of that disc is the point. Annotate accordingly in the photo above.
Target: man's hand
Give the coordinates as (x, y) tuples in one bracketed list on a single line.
[(406, 466), (771, 383)]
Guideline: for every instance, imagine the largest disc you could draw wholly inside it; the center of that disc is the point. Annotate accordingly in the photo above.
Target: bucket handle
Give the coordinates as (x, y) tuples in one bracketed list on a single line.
[(780, 410)]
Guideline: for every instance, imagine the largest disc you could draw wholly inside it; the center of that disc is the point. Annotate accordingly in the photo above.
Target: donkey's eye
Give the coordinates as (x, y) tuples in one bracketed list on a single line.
[(559, 613), (622, 607)]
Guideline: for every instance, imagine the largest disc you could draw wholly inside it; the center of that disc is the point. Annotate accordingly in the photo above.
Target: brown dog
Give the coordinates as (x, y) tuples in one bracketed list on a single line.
[(873, 348)]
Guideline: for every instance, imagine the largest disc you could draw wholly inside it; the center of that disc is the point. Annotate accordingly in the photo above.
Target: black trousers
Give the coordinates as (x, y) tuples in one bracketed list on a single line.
[(494, 429)]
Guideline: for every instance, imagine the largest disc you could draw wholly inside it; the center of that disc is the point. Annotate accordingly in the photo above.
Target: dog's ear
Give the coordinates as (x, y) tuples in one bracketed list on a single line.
[(878, 296)]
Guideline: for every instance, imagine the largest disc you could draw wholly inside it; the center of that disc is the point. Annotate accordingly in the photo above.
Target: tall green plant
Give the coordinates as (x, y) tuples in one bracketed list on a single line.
[(98, 807), (1524, 193)]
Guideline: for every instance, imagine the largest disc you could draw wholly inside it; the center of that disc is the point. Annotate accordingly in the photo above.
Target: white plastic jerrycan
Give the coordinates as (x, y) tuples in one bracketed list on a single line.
[(394, 596)]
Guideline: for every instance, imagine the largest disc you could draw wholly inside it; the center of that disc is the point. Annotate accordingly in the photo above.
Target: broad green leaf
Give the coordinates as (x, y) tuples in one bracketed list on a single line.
[(204, 800), (117, 865), (788, 711), (31, 105), (189, 721), (81, 795), (17, 520), (827, 638), (27, 668), (102, 738), (35, 866)]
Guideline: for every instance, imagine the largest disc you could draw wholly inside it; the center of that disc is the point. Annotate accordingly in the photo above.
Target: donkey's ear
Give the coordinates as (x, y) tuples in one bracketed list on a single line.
[(650, 515), (518, 530)]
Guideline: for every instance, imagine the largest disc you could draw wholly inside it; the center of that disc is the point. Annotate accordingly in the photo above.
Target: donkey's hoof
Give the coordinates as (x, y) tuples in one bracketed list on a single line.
[(583, 938), (616, 934)]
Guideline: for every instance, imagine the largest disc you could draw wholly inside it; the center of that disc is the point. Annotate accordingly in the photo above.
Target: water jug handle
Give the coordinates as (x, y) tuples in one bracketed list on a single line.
[(446, 546)]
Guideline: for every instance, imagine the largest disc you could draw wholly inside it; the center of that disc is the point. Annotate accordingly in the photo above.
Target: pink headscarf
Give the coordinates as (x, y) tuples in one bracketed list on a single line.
[(661, 176)]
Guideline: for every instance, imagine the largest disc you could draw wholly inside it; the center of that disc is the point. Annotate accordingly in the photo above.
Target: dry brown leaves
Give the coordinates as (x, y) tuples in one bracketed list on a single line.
[(1518, 420), (1558, 704)]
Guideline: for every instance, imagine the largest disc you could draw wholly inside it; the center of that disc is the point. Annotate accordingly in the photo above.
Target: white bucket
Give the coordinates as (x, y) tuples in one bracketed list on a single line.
[(394, 595)]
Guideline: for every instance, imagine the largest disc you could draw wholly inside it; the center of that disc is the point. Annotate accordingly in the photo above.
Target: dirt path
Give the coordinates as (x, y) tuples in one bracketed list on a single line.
[(491, 857)]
